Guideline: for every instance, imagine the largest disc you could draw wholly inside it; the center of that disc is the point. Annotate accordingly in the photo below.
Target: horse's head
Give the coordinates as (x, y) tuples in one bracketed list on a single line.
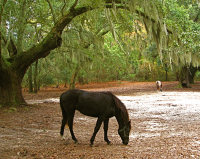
[(124, 133)]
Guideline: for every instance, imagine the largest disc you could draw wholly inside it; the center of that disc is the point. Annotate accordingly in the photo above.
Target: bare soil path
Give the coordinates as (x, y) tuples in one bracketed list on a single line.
[(164, 125)]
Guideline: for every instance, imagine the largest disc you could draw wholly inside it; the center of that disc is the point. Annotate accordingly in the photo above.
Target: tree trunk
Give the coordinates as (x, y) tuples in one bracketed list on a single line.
[(166, 75), (187, 78), (184, 77), (21, 23), (0, 40), (30, 81), (35, 78), (192, 73), (13, 69), (10, 89), (191, 78), (73, 78)]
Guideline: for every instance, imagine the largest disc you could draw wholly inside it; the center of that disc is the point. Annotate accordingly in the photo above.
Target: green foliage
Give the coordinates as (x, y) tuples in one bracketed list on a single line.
[(11, 109), (197, 77), (119, 54), (182, 18), (149, 71), (109, 44)]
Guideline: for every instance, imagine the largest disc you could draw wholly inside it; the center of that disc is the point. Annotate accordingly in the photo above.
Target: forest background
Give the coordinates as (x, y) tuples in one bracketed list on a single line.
[(50, 42)]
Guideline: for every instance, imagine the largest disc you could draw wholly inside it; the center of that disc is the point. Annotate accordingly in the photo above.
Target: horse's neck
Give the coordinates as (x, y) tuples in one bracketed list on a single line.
[(119, 118)]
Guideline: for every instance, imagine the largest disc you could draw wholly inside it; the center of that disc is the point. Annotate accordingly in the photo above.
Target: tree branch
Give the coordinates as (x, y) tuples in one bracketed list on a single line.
[(12, 49), (52, 11), (63, 8), (73, 6), (21, 25), (51, 41), (109, 4)]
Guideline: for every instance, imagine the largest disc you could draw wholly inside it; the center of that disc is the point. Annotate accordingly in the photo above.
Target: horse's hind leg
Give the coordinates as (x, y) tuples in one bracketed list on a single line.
[(106, 131), (62, 126), (70, 123), (64, 121)]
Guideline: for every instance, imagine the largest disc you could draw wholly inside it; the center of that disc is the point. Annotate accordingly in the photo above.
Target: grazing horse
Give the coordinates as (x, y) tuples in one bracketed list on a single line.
[(102, 105), (159, 85)]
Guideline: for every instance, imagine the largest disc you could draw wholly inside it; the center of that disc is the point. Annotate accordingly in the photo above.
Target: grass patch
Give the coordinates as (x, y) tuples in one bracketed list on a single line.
[(11, 109)]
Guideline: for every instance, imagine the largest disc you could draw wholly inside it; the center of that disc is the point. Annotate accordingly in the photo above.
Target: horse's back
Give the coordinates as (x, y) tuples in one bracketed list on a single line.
[(89, 103), (70, 97), (96, 104)]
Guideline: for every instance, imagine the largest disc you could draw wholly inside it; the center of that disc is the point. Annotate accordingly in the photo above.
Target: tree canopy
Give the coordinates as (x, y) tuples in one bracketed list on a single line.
[(95, 41)]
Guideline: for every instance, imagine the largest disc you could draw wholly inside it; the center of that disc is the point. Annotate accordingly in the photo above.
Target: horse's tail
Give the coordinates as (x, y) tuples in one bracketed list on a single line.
[(67, 102), (64, 116)]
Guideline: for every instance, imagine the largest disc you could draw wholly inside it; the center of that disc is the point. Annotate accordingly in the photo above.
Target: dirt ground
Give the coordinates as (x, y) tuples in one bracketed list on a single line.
[(164, 125)]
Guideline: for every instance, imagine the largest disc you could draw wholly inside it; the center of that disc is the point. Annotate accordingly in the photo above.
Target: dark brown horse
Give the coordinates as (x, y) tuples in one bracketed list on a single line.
[(102, 105)]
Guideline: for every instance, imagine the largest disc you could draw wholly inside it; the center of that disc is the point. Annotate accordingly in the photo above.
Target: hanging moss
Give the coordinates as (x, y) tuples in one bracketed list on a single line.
[(152, 18)]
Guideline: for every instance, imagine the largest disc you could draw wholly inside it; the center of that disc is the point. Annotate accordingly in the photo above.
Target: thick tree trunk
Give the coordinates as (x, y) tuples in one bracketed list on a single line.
[(35, 78), (191, 78), (187, 78), (10, 89), (0, 40), (12, 69), (30, 80), (192, 73), (184, 77)]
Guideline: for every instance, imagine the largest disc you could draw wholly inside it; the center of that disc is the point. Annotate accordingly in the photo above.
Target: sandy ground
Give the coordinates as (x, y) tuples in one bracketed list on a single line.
[(164, 125)]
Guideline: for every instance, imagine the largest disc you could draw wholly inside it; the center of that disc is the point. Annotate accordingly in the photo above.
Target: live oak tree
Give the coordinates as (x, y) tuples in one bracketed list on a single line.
[(181, 54), (19, 50), (13, 68), (183, 50)]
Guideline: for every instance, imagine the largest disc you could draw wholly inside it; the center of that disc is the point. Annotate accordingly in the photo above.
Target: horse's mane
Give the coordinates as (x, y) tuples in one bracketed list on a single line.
[(120, 106)]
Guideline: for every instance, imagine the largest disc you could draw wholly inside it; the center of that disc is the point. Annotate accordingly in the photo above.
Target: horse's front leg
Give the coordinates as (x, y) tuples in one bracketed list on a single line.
[(96, 129), (106, 131)]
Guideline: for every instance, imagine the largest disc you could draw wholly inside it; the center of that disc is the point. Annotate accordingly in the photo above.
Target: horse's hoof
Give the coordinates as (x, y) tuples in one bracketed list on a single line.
[(76, 141), (91, 145), (62, 138), (108, 142)]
